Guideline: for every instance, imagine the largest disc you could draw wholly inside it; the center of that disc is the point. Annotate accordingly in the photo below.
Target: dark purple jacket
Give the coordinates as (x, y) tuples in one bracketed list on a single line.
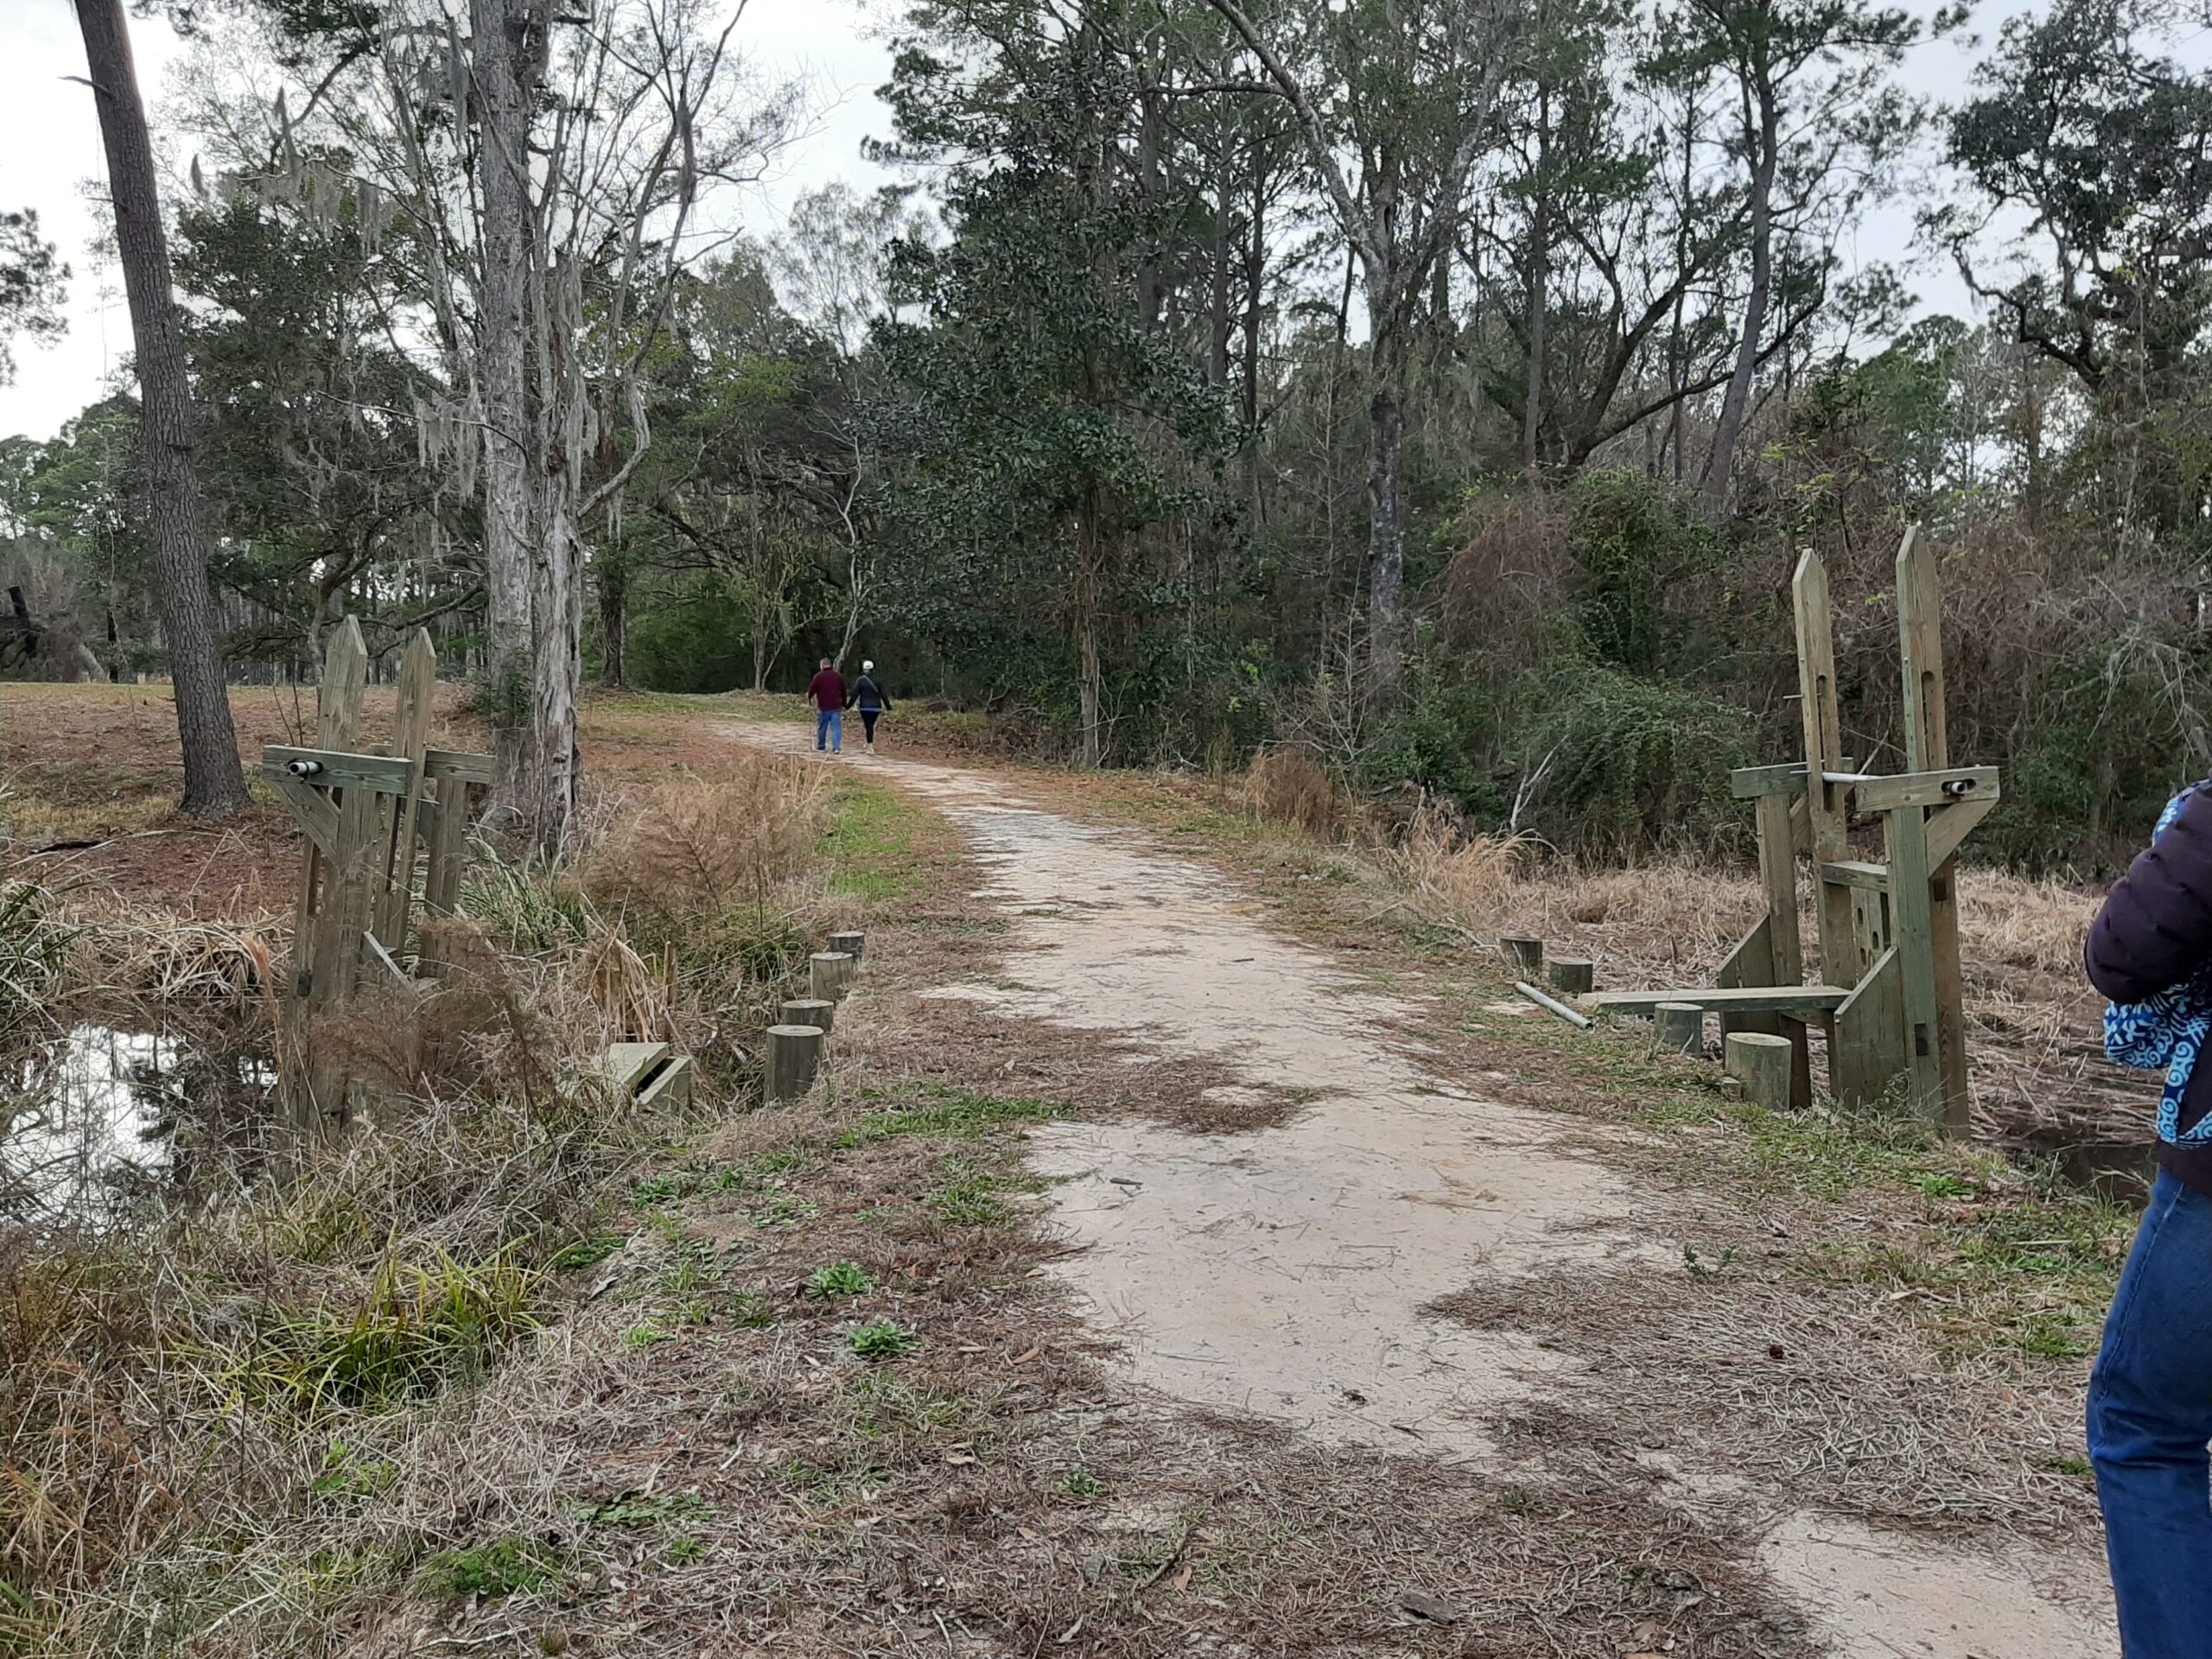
[(2154, 931)]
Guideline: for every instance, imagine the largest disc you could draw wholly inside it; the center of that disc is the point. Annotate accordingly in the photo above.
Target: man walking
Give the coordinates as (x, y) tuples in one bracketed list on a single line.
[(827, 693), (871, 700)]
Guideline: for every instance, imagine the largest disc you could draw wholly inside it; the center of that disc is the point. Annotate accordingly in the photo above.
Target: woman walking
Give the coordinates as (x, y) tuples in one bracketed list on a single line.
[(870, 698), (2150, 951)]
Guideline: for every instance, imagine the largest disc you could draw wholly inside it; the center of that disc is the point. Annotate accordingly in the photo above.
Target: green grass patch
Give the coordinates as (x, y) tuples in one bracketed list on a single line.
[(869, 843), (952, 1114), (967, 1195), (586, 1252)]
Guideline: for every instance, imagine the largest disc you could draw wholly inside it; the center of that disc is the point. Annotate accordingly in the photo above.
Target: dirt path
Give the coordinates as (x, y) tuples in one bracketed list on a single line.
[(1284, 1271)]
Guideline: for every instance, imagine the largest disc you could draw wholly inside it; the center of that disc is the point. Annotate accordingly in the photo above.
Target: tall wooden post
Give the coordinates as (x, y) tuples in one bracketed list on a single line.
[(1824, 802), (1927, 748)]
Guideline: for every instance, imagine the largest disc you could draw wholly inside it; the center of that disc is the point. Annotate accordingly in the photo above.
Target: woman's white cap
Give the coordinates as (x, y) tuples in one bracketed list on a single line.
[(868, 668)]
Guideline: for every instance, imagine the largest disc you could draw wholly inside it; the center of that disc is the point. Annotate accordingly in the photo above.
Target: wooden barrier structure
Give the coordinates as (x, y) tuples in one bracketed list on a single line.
[(1891, 1000), (382, 823)]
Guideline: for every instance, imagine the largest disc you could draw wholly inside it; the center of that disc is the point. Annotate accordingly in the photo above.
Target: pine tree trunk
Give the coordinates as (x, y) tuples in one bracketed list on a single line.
[(1086, 628), (214, 784)]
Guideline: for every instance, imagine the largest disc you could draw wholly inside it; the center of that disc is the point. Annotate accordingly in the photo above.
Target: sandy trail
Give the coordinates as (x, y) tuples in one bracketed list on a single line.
[(1282, 1272)]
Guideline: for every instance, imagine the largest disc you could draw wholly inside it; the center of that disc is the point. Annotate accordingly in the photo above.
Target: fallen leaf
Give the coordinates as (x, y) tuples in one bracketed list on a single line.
[(1182, 1580), (1031, 1355), (1071, 1633)]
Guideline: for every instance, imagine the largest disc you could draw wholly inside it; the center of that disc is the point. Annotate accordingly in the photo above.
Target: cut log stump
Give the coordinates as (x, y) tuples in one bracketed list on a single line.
[(1763, 1064), (794, 1058), (1576, 978), (811, 1011), (1527, 954), (829, 974), (852, 945), (1678, 1027)]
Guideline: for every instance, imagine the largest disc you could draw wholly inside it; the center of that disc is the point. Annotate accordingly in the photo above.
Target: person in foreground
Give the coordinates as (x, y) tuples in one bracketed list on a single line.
[(871, 700), (826, 692), (2150, 1417)]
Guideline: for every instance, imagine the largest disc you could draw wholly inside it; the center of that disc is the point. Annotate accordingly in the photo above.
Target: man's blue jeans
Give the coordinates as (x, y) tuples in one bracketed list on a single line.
[(2150, 1419), (830, 730)]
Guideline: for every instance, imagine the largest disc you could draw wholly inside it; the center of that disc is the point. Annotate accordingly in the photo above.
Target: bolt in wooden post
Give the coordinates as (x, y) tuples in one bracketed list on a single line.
[(810, 1011), (1678, 1027), (829, 974), (1763, 1064), (1527, 954), (1573, 977), (794, 1057), (853, 944)]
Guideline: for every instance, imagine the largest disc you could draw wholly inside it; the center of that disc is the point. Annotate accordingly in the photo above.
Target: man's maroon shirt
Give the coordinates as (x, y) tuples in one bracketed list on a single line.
[(828, 691)]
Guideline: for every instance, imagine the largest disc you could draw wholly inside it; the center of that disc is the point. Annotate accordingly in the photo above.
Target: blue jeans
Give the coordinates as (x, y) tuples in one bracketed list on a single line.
[(830, 730), (2150, 1419)]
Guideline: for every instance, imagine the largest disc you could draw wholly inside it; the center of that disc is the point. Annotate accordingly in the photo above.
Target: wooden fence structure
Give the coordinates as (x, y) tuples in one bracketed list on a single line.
[(386, 828), (1888, 930)]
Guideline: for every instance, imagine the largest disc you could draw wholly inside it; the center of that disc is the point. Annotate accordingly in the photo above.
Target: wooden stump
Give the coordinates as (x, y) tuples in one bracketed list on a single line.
[(810, 1011), (1678, 1027), (1573, 977), (852, 945), (829, 974), (1527, 954), (794, 1057), (1763, 1064)]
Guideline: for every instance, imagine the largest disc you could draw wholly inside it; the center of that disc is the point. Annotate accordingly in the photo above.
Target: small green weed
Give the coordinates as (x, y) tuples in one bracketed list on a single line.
[(347, 1477), (839, 1278), (507, 1567), (881, 1339), (1080, 1483), (586, 1252), (967, 1195), (786, 1210), (646, 1336)]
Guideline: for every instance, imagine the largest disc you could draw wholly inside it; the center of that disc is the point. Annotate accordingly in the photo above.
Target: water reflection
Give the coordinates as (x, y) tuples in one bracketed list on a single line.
[(91, 1117)]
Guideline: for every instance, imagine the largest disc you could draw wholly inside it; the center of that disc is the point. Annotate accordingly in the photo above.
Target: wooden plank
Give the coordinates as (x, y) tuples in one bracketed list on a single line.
[(670, 1086), (1824, 803), (1865, 1047), (324, 940), (1880, 792), (1778, 876), (1745, 999), (339, 768), (1920, 643), (312, 807), (1906, 833), (1753, 783), (627, 1064), (1951, 825), (447, 846), (1858, 873), (442, 763), (411, 740), (1927, 748)]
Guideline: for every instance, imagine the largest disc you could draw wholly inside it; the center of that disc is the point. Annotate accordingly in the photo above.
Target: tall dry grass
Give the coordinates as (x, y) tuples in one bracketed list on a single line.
[(179, 1367)]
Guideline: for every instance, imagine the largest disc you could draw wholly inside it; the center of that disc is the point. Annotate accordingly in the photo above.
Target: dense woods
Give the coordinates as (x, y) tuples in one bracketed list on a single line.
[(1445, 387)]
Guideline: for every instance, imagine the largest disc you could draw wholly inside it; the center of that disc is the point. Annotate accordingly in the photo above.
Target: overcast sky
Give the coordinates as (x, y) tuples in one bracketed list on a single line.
[(50, 148)]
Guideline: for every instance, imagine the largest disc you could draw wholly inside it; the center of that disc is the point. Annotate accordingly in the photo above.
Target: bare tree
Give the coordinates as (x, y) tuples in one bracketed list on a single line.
[(1404, 90), (214, 784)]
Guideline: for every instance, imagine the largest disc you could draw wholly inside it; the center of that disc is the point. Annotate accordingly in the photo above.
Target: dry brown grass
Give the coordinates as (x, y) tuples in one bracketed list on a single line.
[(1290, 786), (743, 836)]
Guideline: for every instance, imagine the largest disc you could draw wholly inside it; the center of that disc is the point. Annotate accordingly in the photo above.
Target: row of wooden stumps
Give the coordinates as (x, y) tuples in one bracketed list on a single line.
[(1761, 1064), (797, 1042)]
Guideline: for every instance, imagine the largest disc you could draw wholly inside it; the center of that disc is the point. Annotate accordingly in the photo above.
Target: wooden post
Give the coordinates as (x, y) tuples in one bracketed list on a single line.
[(410, 742), (1572, 975), (811, 1011), (794, 1058), (829, 974), (333, 897), (852, 945), (1927, 748), (1679, 1028), (1763, 1064), (1527, 954), (1906, 831), (1824, 802)]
